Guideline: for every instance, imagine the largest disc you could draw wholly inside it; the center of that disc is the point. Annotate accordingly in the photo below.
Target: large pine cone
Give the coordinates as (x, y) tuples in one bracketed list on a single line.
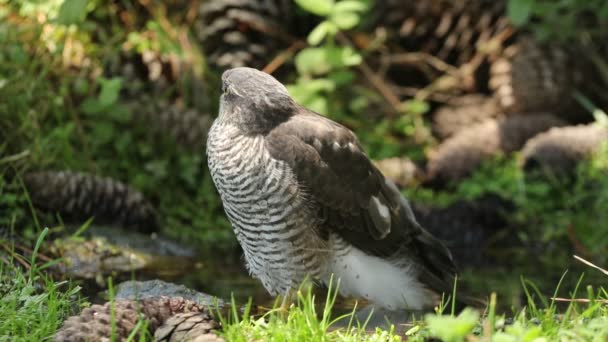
[(95, 323), (401, 171), (237, 33), (187, 126), (533, 77), (467, 227), (188, 327), (81, 196), (458, 156), (152, 72), (462, 112), (451, 30), (559, 150)]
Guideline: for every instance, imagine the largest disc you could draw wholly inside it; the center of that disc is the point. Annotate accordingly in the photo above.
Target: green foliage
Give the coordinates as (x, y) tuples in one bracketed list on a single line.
[(450, 328), (58, 115), (32, 305), (328, 81), (563, 20), (301, 323), (324, 69)]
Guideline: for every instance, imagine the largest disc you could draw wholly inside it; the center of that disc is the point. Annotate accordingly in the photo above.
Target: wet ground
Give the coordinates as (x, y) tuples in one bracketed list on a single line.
[(224, 275)]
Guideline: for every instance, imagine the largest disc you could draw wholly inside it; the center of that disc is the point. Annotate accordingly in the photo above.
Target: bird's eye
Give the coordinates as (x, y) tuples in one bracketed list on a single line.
[(224, 88)]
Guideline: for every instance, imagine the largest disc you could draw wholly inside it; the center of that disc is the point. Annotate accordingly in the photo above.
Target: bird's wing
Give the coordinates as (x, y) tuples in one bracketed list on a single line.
[(354, 199)]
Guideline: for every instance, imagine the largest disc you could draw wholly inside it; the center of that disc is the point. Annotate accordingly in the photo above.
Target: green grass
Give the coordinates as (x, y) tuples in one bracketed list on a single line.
[(32, 304), (542, 319)]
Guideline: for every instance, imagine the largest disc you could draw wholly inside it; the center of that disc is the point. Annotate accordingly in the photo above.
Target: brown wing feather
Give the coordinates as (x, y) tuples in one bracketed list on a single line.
[(329, 162)]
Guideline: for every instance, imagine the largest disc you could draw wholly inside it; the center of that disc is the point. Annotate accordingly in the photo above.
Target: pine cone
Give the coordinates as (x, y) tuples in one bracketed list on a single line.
[(242, 32), (461, 154), (532, 77), (559, 150), (95, 323), (451, 30), (187, 126), (188, 327), (400, 171), (467, 226), (150, 72), (462, 112), (81, 196)]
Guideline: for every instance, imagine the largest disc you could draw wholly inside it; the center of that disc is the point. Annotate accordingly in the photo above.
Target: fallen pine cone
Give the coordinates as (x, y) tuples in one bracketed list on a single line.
[(400, 171), (462, 112), (82, 196), (95, 323), (458, 156), (468, 227), (535, 77), (187, 126), (237, 33), (188, 327), (560, 149)]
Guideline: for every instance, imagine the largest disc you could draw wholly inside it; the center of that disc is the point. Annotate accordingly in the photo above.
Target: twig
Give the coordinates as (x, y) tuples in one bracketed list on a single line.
[(14, 157), (30, 251), (588, 263), (16, 257), (579, 300), (376, 81), (422, 57), (280, 59)]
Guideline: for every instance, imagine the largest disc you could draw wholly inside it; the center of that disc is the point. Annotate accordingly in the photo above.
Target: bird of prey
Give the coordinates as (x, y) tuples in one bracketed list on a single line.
[(305, 201)]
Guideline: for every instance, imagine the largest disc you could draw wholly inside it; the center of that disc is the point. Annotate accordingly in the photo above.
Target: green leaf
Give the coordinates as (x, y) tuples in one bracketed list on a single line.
[(341, 77), (345, 20), (519, 11), (312, 61), (350, 6), (450, 328), (72, 12), (318, 104), (91, 106), (319, 7), (416, 107), (318, 33), (103, 133), (110, 88), (350, 57)]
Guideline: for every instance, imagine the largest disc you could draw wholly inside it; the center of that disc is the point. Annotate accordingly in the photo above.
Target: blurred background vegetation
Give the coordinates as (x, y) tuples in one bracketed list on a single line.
[(489, 114)]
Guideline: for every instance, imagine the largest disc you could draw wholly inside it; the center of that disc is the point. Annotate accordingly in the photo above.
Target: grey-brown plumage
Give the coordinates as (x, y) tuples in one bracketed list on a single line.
[(305, 200), (82, 196)]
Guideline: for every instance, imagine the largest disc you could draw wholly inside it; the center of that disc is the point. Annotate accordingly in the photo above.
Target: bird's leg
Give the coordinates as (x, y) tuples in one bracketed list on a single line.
[(286, 301)]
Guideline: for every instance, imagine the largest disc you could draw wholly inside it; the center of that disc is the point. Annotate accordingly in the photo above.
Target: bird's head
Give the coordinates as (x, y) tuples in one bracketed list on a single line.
[(254, 100)]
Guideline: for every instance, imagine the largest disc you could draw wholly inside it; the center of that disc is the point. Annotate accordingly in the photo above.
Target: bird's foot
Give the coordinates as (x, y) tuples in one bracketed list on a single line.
[(286, 301)]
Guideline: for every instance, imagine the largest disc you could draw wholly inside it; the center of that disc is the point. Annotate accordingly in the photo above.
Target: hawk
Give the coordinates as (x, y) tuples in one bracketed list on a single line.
[(304, 200)]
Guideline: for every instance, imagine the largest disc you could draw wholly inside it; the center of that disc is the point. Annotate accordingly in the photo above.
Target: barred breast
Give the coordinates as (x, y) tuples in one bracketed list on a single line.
[(267, 209)]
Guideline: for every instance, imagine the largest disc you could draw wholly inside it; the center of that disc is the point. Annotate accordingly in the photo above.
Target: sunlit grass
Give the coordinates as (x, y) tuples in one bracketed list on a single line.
[(32, 305), (542, 319)]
